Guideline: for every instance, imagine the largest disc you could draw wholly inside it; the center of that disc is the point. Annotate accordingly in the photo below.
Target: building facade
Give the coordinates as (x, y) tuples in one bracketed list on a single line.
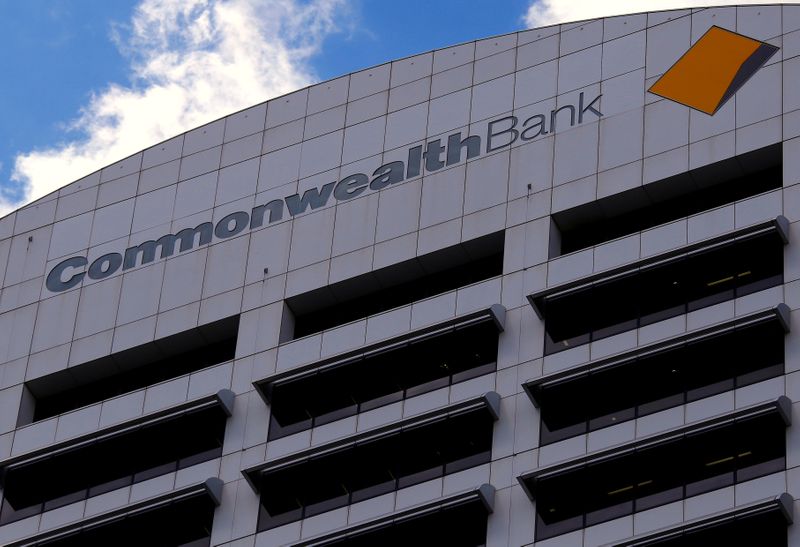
[(538, 289)]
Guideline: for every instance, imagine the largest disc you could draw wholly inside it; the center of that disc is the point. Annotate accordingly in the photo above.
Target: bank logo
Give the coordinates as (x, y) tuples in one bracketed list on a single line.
[(713, 69)]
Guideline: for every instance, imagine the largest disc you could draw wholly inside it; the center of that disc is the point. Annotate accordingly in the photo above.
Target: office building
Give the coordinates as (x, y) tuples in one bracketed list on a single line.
[(540, 289)]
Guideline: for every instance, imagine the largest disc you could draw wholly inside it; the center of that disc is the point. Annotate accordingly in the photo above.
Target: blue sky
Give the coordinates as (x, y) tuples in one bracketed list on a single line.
[(87, 82), (55, 53)]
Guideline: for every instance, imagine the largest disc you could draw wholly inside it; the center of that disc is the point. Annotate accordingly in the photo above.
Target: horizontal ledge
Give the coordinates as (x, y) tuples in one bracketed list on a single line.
[(779, 313), (223, 398), (483, 494), (211, 487), (494, 313), (489, 401), (781, 406), (779, 225), (782, 504)]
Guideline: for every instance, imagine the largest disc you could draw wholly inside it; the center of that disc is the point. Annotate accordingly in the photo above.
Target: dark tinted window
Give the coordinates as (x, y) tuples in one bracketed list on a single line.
[(396, 285), (670, 199), (181, 523), (461, 525), (112, 462), (373, 467), (134, 368), (764, 529), (382, 377), (656, 380), (656, 292), (653, 475)]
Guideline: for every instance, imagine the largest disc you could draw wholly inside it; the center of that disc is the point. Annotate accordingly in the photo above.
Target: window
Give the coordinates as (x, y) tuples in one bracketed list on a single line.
[(109, 460), (457, 523), (132, 369), (384, 373), (760, 523), (656, 378), (666, 200), (644, 476), (182, 518), (662, 288), (396, 285), (373, 464)]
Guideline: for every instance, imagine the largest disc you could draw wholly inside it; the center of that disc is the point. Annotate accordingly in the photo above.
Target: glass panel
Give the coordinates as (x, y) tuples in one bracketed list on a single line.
[(420, 476), (760, 447), (566, 399), (613, 310), (266, 521), (609, 513), (712, 276), (64, 500), (568, 319), (551, 346), (563, 408), (326, 505), (548, 437), (612, 419), (648, 501), (381, 401), (709, 390), (707, 485), (276, 430), (609, 489), (661, 292), (428, 386), (759, 375), (662, 315), (200, 458), (474, 372), (337, 414), (613, 395), (9, 514), (560, 503), (469, 461), (760, 469), (710, 459), (155, 472), (660, 404), (546, 530), (373, 491), (111, 485), (660, 472), (759, 285)]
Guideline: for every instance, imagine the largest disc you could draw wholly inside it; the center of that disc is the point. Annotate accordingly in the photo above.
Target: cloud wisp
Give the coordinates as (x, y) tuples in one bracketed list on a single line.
[(549, 12), (191, 61)]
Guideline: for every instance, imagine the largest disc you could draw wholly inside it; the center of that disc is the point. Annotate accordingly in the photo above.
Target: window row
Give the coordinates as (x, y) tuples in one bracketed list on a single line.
[(382, 375), (646, 294), (180, 519), (374, 465), (112, 461), (402, 283), (455, 521), (763, 529), (663, 201), (132, 369), (651, 380), (761, 523), (657, 473)]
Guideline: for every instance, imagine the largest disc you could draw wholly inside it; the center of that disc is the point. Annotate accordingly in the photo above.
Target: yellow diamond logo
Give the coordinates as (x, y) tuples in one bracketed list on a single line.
[(713, 69)]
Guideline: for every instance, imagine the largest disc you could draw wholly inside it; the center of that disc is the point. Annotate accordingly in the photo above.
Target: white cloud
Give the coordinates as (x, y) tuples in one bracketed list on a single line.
[(191, 61), (548, 12)]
